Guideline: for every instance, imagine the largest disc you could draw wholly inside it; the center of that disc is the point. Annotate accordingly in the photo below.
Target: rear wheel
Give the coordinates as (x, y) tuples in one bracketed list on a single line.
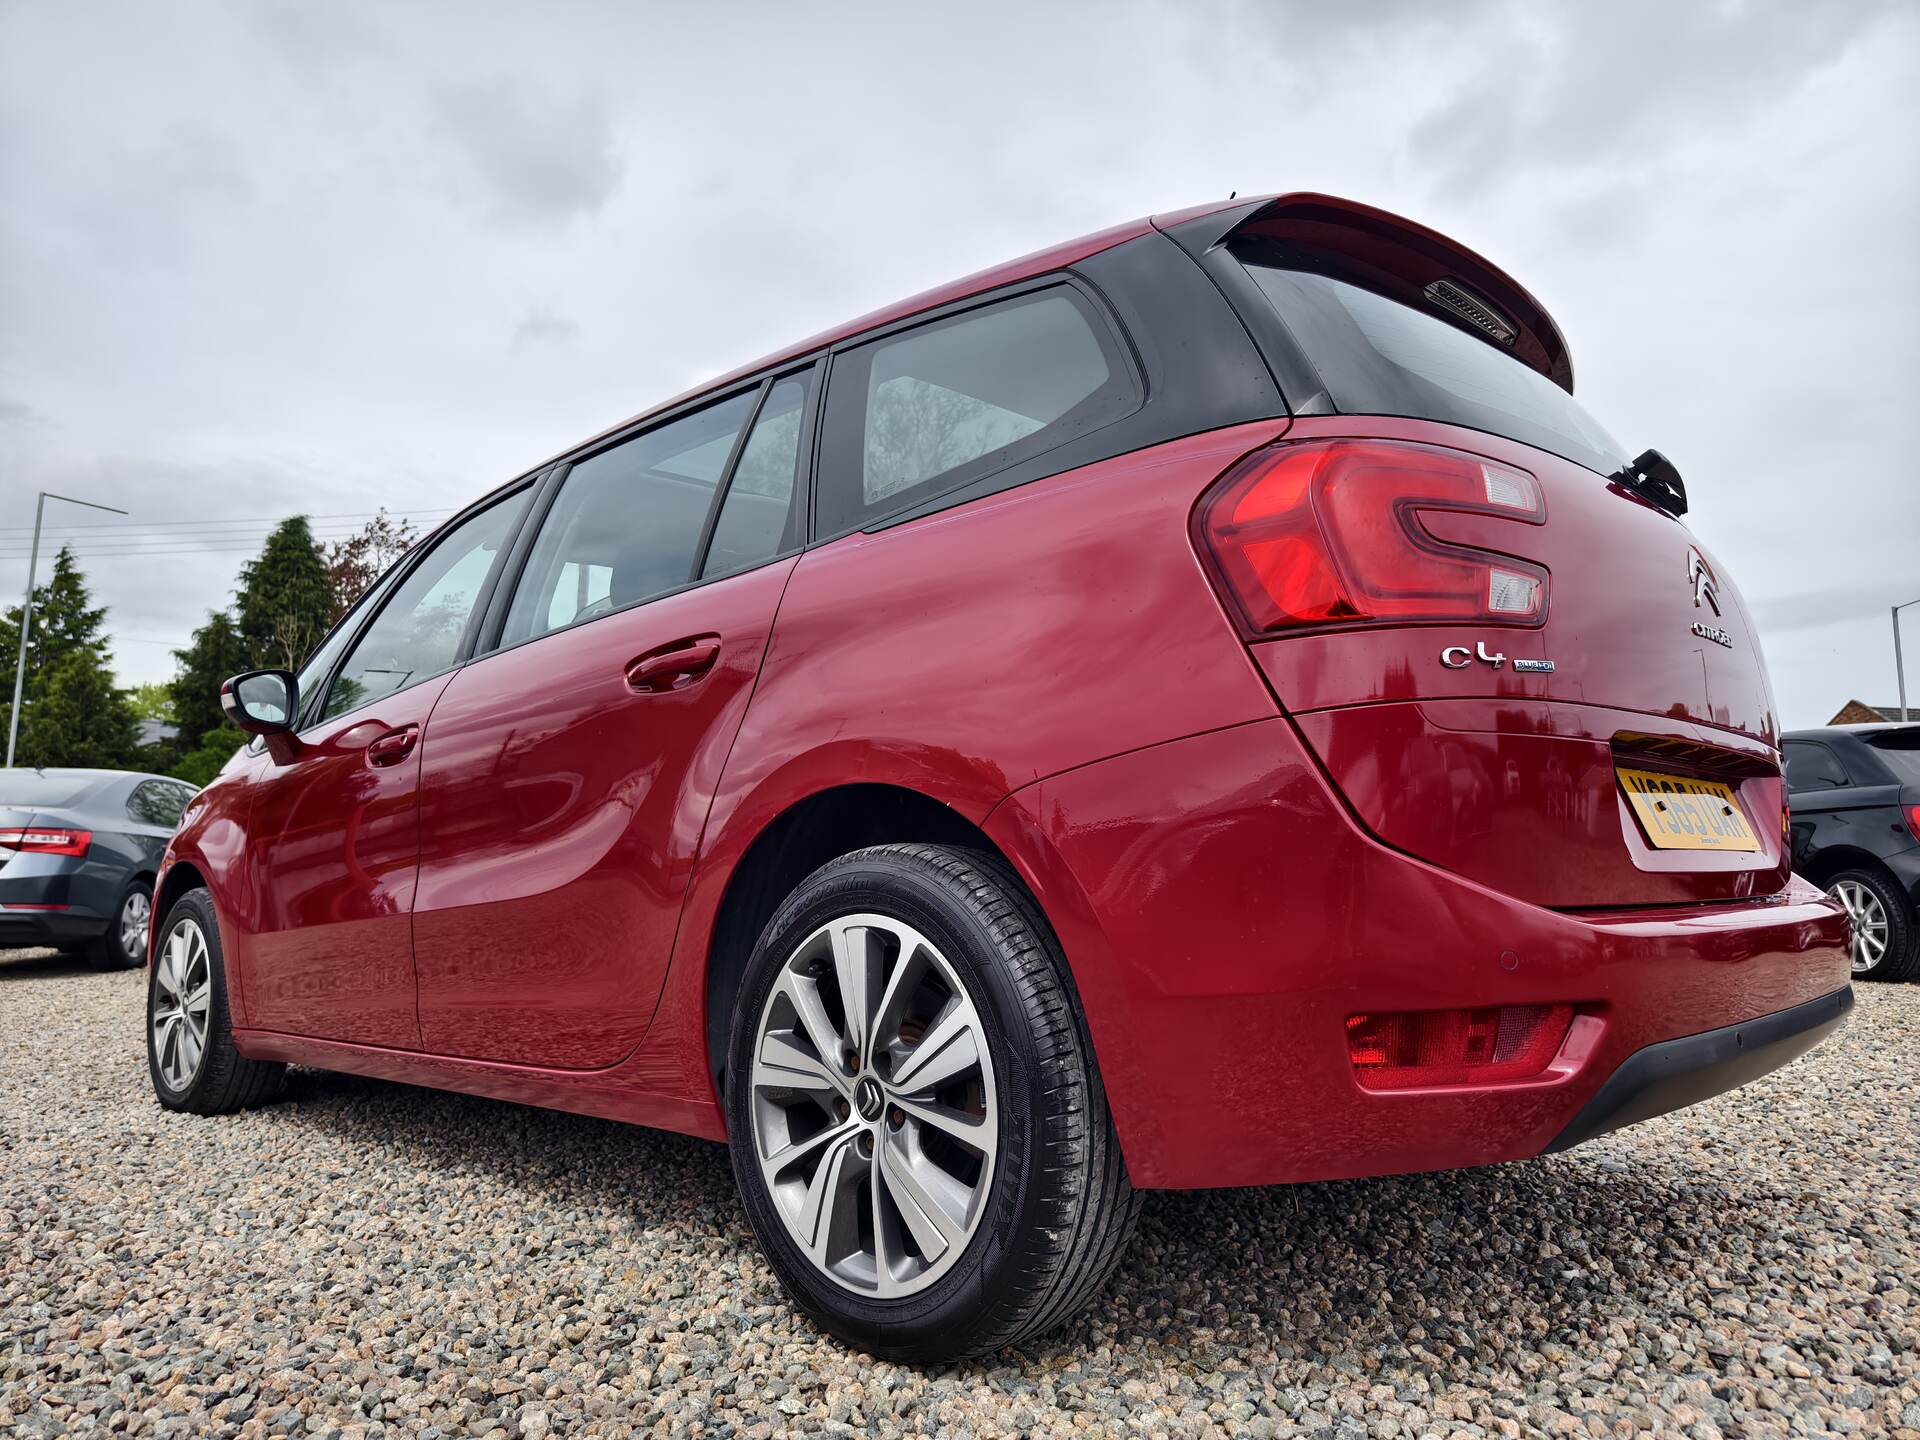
[(190, 1051), (125, 943), (916, 1121), (1884, 945)]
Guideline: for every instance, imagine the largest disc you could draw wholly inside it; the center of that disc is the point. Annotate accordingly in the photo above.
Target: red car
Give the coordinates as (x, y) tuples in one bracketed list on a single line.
[(1200, 705)]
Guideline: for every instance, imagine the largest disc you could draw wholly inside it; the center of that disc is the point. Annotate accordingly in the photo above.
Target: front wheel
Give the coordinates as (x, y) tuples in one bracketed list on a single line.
[(125, 944), (916, 1121), (190, 1051)]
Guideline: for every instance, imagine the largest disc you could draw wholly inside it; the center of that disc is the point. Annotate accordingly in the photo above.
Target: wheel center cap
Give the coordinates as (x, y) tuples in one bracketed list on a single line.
[(868, 1099)]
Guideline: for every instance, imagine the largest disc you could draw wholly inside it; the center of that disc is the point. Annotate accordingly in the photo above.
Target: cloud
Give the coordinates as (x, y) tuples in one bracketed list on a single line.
[(538, 329), (1619, 85), (538, 156)]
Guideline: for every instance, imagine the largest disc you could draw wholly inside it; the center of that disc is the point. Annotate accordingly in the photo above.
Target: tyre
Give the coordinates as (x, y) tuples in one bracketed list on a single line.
[(190, 1052), (1884, 944), (125, 944), (916, 1121)]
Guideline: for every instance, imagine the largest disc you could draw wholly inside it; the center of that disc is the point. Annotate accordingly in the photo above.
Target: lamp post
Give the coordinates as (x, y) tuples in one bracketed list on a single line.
[(1899, 671), (26, 609)]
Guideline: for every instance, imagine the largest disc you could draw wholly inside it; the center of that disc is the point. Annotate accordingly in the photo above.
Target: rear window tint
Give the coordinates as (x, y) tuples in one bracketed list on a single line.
[(1379, 357), (930, 409), (26, 789), (1901, 750)]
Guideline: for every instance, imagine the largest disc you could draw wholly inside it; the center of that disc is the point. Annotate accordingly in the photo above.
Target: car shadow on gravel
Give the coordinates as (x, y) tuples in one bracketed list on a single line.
[(1468, 1263), (566, 1157), (18, 967), (1472, 1264)]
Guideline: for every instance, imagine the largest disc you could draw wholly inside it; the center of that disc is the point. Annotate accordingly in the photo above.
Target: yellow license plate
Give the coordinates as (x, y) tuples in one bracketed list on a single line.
[(1679, 813)]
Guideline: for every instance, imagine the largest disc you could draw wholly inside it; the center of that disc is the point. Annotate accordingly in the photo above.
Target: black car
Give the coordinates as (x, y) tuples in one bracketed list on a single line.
[(1855, 795), (78, 852)]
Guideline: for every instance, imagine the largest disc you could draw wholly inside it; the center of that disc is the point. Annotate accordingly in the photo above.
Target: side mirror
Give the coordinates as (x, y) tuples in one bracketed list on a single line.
[(264, 703)]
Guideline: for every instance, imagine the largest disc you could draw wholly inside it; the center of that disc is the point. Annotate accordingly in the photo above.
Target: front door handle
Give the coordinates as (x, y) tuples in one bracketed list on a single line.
[(675, 666), (394, 746)]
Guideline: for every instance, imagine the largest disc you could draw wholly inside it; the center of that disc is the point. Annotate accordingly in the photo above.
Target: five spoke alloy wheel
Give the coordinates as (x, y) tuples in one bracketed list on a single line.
[(873, 1105), (1871, 926), (182, 1003)]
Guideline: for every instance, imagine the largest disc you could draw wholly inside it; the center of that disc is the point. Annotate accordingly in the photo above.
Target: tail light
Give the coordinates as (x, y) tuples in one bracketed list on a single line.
[(1913, 820), (1455, 1047), (1337, 532), (47, 842)]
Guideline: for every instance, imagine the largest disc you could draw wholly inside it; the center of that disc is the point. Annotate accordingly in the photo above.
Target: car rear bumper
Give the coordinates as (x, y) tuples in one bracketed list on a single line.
[(1677, 1073), (31, 929), (1224, 916)]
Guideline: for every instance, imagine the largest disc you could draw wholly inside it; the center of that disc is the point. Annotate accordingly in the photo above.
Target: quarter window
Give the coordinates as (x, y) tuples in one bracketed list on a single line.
[(925, 411), (417, 633), (1812, 766), (627, 522)]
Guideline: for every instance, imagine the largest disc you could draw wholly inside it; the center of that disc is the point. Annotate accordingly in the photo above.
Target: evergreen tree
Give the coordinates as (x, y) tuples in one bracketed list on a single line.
[(215, 653), (286, 599), (79, 717), (64, 620), (67, 667)]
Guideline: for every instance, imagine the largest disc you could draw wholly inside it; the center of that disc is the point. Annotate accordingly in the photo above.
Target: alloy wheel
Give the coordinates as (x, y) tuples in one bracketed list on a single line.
[(182, 1003), (134, 915), (1870, 926), (873, 1104)]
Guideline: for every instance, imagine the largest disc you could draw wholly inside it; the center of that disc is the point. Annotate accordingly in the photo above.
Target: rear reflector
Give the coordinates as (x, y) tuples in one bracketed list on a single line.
[(1334, 532), (47, 842), (1455, 1047)]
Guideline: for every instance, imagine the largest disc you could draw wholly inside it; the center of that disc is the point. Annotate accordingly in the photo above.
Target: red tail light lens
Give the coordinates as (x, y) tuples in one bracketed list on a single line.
[(1332, 532), (47, 842), (1913, 820), (1455, 1047)]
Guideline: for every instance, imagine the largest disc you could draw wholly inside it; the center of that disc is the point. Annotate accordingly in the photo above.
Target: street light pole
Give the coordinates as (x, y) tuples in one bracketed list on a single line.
[(26, 609), (1899, 670)]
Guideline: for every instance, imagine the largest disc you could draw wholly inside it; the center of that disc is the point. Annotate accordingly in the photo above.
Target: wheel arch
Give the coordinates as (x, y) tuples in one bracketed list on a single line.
[(791, 846), (1835, 860), (181, 876)]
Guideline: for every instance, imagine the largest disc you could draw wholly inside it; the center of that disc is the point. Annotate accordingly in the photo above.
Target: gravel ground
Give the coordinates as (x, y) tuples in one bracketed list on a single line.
[(364, 1259)]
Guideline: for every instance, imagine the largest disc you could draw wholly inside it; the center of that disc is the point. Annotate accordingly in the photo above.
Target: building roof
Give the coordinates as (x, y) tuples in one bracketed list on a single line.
[(1857, 712)]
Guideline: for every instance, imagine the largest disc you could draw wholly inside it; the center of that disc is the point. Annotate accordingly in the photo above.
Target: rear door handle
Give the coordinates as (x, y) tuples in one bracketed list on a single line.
[(394, 746), (675, 666)]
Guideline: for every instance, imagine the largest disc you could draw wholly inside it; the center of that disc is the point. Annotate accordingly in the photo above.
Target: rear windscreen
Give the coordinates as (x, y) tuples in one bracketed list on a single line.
[(1379, 357), (1901, 750), (31, 790)]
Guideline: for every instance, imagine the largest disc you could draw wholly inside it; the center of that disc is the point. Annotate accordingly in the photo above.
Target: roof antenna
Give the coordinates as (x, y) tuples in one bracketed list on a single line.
[(1233, 194)]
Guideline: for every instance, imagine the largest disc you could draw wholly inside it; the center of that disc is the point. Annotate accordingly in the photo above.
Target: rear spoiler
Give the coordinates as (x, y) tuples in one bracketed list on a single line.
[(1393, 257)]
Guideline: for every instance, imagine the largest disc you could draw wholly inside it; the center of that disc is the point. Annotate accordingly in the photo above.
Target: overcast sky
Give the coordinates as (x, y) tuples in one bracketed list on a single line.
[(264, 257)]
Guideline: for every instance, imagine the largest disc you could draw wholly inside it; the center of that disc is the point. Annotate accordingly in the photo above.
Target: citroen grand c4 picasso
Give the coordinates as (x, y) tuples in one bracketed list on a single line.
[(1200, 705)]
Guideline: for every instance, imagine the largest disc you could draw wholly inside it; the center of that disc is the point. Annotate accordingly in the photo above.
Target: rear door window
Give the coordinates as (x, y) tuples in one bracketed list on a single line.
[(1378, 357), (757, 519), (158, 802), (929, 409), (627, 522)]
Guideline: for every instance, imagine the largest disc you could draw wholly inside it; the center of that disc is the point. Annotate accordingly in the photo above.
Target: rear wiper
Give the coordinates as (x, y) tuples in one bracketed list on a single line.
[(1655, 479)]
